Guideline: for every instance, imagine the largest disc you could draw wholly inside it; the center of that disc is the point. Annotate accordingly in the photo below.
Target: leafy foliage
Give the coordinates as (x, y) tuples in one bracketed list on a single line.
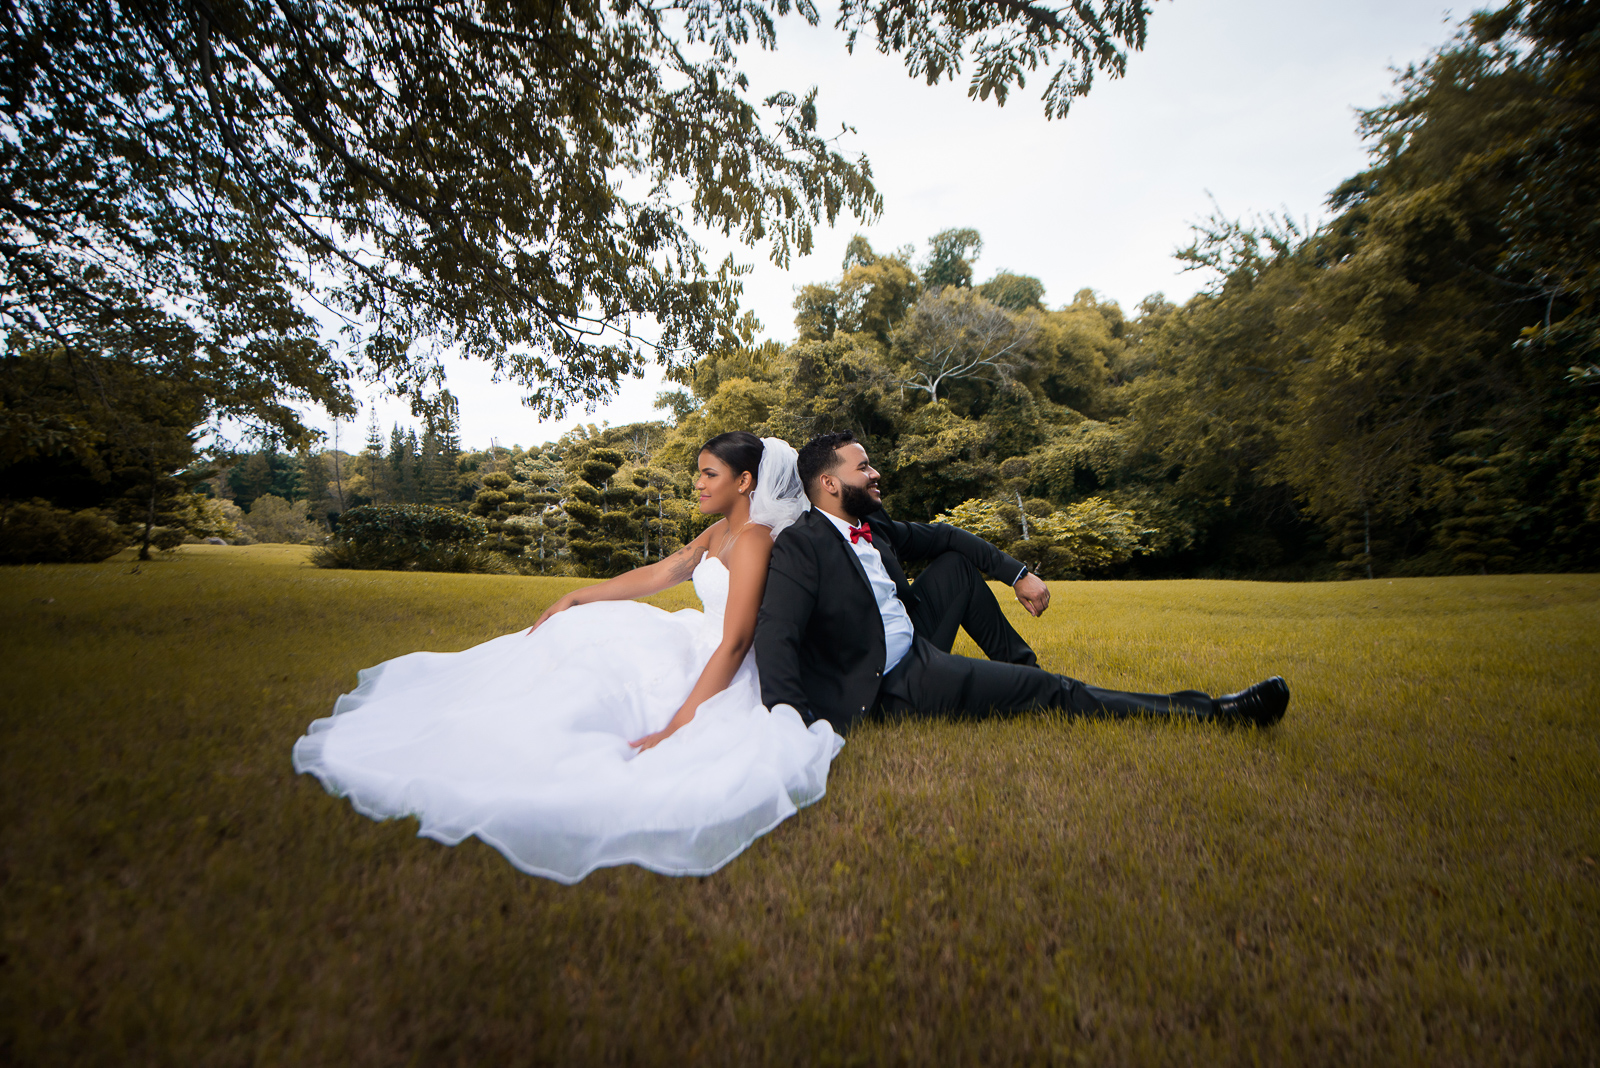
[(498, 502), (35, 532), (183, 179), (274, 520), (1086, 538), (406, 537)]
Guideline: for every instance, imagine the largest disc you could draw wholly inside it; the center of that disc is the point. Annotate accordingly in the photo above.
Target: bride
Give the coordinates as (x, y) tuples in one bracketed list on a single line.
[(610, 732)]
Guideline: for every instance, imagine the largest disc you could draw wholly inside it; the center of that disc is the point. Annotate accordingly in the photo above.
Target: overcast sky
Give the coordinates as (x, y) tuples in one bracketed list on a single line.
[(1251, 101)]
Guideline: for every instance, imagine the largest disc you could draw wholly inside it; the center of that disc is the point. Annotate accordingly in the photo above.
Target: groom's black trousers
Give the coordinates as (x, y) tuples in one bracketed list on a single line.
[(930, 680)]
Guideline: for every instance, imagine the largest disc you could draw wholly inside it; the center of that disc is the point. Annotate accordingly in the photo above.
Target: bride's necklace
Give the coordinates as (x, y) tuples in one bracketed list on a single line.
[(728, 538)]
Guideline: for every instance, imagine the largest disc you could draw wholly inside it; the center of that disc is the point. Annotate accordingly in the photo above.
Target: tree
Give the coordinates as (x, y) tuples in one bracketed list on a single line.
[(403, 474), (377, 488), (661, 511), (1479, 512), (1073, 356), (950, 257), (1014, 292), (953, 334), (678, 403), (316, 476), (816, 312), (180, 176), (497, 503), (544, 522), (273, 519), (1084, 538), (103, 431), (599, 532), (1553, 159), (251, 478), (876, 297)]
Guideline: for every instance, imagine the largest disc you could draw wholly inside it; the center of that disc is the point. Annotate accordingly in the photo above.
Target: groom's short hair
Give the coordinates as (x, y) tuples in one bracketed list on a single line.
[(819, 456)]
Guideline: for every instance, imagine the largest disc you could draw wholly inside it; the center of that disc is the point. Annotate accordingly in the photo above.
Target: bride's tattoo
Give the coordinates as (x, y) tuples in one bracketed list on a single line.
[(681, 563)]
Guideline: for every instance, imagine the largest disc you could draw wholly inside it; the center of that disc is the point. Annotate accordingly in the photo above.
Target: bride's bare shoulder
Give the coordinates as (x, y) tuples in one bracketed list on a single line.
[(752, 548)]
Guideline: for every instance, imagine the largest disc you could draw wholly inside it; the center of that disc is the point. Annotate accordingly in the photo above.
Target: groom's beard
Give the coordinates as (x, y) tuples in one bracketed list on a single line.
[(857, 501)]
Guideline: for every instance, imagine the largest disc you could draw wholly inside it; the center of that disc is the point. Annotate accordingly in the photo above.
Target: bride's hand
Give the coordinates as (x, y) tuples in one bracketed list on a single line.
[(561, 605), (650, 741), (679, 718)]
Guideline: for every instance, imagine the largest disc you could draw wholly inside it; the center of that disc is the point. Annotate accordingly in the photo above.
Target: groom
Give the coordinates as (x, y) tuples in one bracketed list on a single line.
[(842, 635)]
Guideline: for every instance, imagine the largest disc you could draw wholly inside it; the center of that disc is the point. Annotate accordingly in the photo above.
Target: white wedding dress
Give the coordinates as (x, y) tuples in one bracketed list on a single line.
[(523, 741)]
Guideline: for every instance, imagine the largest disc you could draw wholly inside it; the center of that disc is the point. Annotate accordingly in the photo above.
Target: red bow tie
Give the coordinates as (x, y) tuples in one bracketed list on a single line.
[(857, 533)]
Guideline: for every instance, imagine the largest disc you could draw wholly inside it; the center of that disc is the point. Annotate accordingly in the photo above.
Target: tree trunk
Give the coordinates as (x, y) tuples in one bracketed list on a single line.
[(1366, 517), (1023, 512), (338, 485), (149, 517)]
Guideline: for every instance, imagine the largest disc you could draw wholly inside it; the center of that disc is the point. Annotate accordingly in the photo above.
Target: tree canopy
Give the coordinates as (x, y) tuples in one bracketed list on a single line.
[(190, 185)]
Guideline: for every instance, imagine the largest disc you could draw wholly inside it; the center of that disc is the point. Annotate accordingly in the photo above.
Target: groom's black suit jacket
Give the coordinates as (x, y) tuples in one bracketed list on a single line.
[(819, 636)]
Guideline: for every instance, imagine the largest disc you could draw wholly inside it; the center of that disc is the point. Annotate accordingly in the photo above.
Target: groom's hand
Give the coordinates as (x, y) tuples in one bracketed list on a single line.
[(1033, 593)]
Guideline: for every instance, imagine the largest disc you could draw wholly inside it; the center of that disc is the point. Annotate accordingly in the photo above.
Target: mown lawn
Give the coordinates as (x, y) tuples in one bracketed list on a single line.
[(1403, 871)]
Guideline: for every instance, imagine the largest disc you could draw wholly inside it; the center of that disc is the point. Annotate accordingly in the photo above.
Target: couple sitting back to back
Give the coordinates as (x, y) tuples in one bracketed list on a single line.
[(548, 744)]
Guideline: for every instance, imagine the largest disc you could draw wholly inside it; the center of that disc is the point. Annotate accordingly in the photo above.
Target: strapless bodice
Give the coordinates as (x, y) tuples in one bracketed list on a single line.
[(711, 586)]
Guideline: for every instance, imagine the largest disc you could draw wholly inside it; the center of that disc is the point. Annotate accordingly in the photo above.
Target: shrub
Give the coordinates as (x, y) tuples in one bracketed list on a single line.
[(212, 517), (37, 532), (273, 519), (233, 525), (1083, 538), (407, 537)]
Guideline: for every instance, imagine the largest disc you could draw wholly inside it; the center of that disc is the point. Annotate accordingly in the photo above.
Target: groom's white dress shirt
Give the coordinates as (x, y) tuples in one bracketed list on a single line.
[(897, 628)]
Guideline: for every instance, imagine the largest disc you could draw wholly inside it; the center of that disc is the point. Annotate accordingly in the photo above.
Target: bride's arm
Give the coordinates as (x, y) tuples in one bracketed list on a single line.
[(640, 582), (747, 579)]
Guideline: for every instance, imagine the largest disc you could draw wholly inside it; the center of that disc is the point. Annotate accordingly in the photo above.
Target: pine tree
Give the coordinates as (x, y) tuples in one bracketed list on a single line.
[(316, 476), (399, 458), (544, 522), (430, 469), (411, 473), (1479, 508), (376, 470), (600, 534), (658, 512), (498, 502), (1360, 542)]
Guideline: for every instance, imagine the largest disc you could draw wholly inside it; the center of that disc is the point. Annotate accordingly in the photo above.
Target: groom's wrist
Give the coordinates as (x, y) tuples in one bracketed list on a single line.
[(1020, 575)]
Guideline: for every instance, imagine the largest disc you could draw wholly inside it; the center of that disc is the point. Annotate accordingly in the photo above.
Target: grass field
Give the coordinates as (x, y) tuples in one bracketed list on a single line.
[(1404, 871)]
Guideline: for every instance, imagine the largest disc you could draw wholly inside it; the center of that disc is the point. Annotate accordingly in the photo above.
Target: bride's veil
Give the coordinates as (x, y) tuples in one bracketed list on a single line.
[(779, 498)]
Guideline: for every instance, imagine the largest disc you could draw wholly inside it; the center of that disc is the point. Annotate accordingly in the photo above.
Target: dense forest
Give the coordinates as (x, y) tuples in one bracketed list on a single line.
[(1411, 388)]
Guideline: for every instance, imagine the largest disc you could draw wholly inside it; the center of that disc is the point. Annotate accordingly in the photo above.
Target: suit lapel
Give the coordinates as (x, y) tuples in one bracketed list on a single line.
[(825, 530)]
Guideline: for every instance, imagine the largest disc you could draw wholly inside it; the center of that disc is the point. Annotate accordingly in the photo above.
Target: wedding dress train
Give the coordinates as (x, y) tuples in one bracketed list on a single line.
[(523, 741)]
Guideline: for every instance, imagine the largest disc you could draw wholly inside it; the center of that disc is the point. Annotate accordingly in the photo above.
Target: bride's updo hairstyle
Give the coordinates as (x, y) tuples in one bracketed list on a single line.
[(740, 450)]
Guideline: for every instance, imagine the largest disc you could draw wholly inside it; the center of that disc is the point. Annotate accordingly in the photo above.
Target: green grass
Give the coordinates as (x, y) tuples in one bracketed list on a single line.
[(1404, 870)]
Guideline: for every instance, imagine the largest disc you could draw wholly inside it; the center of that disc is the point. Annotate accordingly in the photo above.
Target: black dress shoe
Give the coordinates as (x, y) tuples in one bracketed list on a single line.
[(1262, 704)]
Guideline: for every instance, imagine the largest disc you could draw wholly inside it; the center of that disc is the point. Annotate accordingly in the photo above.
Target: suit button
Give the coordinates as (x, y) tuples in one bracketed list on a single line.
[(863, 708), (879, 674)]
